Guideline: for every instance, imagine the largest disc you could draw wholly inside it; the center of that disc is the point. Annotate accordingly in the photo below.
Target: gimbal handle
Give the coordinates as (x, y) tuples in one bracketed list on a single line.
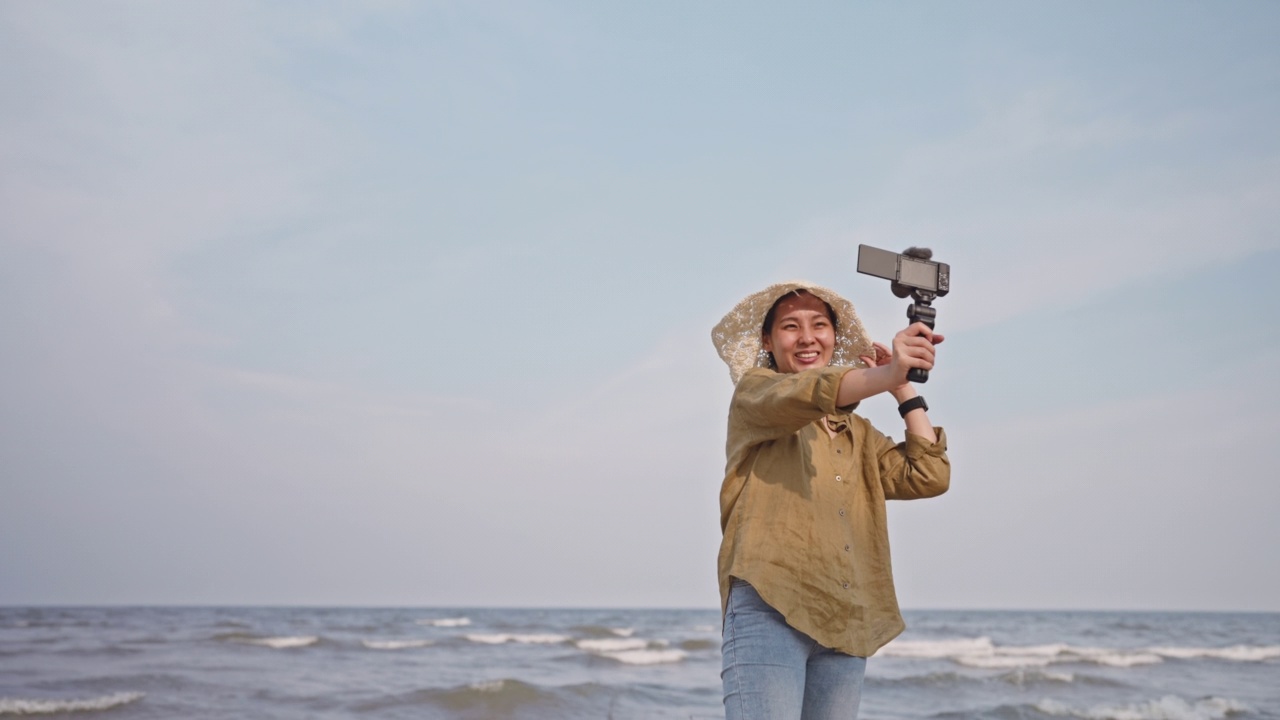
[(920, 313)]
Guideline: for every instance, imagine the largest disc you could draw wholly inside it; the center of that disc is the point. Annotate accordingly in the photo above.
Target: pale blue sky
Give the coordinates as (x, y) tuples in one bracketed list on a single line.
[(410, 303)]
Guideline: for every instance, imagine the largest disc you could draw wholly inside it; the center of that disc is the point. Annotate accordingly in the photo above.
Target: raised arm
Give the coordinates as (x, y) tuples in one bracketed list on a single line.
[(913, 347), (767, 405)]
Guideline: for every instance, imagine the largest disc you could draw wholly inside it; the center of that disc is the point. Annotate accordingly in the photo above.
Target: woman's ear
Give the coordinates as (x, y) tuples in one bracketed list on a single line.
[(766, 342)]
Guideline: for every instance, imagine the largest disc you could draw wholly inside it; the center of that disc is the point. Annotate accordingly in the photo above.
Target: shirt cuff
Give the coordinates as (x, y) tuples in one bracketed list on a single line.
[(919, 446)]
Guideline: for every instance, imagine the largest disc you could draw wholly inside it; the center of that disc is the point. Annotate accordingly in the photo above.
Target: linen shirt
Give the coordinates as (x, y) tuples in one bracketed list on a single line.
[(803, 513)]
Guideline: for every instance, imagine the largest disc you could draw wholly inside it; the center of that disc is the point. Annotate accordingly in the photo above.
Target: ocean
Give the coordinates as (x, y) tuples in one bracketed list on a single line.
[(124, 663)]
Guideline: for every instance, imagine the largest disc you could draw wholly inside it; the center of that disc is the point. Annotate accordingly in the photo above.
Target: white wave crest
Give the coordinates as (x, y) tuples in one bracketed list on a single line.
[(1001, 662), (982, 653), (1168, 707), (1236, 653), (281, 643), (612, 645), (446, 622), (489, 686), (500, 638), (938, 649), (20, 706), (1123, 659), (396, 644), (1023, 676), (623, 632), (647, 657)]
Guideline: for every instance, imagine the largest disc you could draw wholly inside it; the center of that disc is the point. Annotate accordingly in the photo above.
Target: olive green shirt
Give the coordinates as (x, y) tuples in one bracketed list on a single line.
[(803, 512)]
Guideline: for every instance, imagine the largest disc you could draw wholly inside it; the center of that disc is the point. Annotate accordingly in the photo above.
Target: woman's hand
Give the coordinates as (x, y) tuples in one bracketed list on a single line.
[(913, 347), (887, 369)]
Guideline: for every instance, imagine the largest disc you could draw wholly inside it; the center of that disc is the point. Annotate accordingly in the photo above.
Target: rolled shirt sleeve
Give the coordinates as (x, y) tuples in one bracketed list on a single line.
[(768, 405), (915, 468)]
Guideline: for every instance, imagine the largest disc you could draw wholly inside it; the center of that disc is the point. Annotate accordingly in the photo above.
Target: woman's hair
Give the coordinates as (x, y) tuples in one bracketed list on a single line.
[(767, 326)]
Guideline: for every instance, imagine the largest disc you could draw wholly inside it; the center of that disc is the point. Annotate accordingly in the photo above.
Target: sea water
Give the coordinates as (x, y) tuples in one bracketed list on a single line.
[(295, 663)]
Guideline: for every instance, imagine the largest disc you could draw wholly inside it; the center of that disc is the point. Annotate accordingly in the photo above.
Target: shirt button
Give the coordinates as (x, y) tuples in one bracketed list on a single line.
[(841, 512), (838, 478), (839, 451), (846, 586), (846, 548)]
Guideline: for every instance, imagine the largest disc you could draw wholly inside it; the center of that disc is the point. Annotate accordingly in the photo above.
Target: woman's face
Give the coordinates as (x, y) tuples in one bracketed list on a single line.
[(802, 335)]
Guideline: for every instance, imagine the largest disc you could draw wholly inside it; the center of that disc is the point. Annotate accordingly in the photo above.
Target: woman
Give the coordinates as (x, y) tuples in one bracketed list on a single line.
[(805, 582)]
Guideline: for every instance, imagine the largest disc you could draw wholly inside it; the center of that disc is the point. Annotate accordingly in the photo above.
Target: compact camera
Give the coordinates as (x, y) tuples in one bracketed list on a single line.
[(911, 273)]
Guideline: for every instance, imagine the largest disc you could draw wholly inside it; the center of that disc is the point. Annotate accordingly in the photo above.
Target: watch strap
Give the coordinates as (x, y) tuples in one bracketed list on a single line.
[(911, 404)]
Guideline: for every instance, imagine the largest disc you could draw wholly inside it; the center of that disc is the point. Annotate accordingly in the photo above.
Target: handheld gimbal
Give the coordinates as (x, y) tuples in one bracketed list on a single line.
[(911, 273)]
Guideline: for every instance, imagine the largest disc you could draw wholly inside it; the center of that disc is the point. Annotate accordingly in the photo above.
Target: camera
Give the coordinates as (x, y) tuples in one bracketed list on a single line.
[(909, 271), (913, 273)]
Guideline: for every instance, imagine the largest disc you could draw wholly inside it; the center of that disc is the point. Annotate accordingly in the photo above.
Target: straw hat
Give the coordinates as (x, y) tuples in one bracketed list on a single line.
[(737, 336)]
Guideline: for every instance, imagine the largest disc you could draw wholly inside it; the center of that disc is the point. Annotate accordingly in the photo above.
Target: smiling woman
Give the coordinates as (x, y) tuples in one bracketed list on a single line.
[(805, 582), (799, 332)]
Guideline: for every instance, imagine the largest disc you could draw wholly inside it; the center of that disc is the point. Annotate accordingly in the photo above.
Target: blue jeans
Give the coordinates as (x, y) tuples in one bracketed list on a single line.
[(771, 671)]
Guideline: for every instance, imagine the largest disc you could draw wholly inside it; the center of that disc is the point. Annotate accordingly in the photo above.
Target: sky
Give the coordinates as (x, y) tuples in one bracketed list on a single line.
[(383, 303)]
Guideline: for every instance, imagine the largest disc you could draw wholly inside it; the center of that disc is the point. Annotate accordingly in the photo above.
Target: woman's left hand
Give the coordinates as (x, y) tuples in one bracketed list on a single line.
[(882, 356)]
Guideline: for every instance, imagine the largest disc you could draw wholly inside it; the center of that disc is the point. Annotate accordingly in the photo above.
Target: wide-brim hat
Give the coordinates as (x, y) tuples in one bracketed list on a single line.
[(737, 336)]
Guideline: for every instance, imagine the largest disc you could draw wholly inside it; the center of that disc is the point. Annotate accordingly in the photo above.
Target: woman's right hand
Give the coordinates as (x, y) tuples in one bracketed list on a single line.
[(913, 347), (887, 368)]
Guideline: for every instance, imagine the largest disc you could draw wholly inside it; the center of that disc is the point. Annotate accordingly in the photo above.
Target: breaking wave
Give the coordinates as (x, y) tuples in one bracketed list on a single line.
[(281, 642), (612, 645), (27, 706), (1235, 653), (1168, 707), (982, 653), (493, 695), (491, 698), (501, 638), (633, 651), (1021, 677), (446, 622), (396, 644), (647, 657)]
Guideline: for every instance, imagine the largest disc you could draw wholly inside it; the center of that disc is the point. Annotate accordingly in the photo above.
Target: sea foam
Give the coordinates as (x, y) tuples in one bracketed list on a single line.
[(396, 644), (612, 645), (21, 706), (982, 653), (500, 638), (489, 686), (938, 649), (1168, 707), (446, 622), (280, 643), (1023, 676), (1236, 653), (647, 657)]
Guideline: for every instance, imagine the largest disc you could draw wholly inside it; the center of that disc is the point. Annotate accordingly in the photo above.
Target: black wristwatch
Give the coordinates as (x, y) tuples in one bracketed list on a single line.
[(909, 405)]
